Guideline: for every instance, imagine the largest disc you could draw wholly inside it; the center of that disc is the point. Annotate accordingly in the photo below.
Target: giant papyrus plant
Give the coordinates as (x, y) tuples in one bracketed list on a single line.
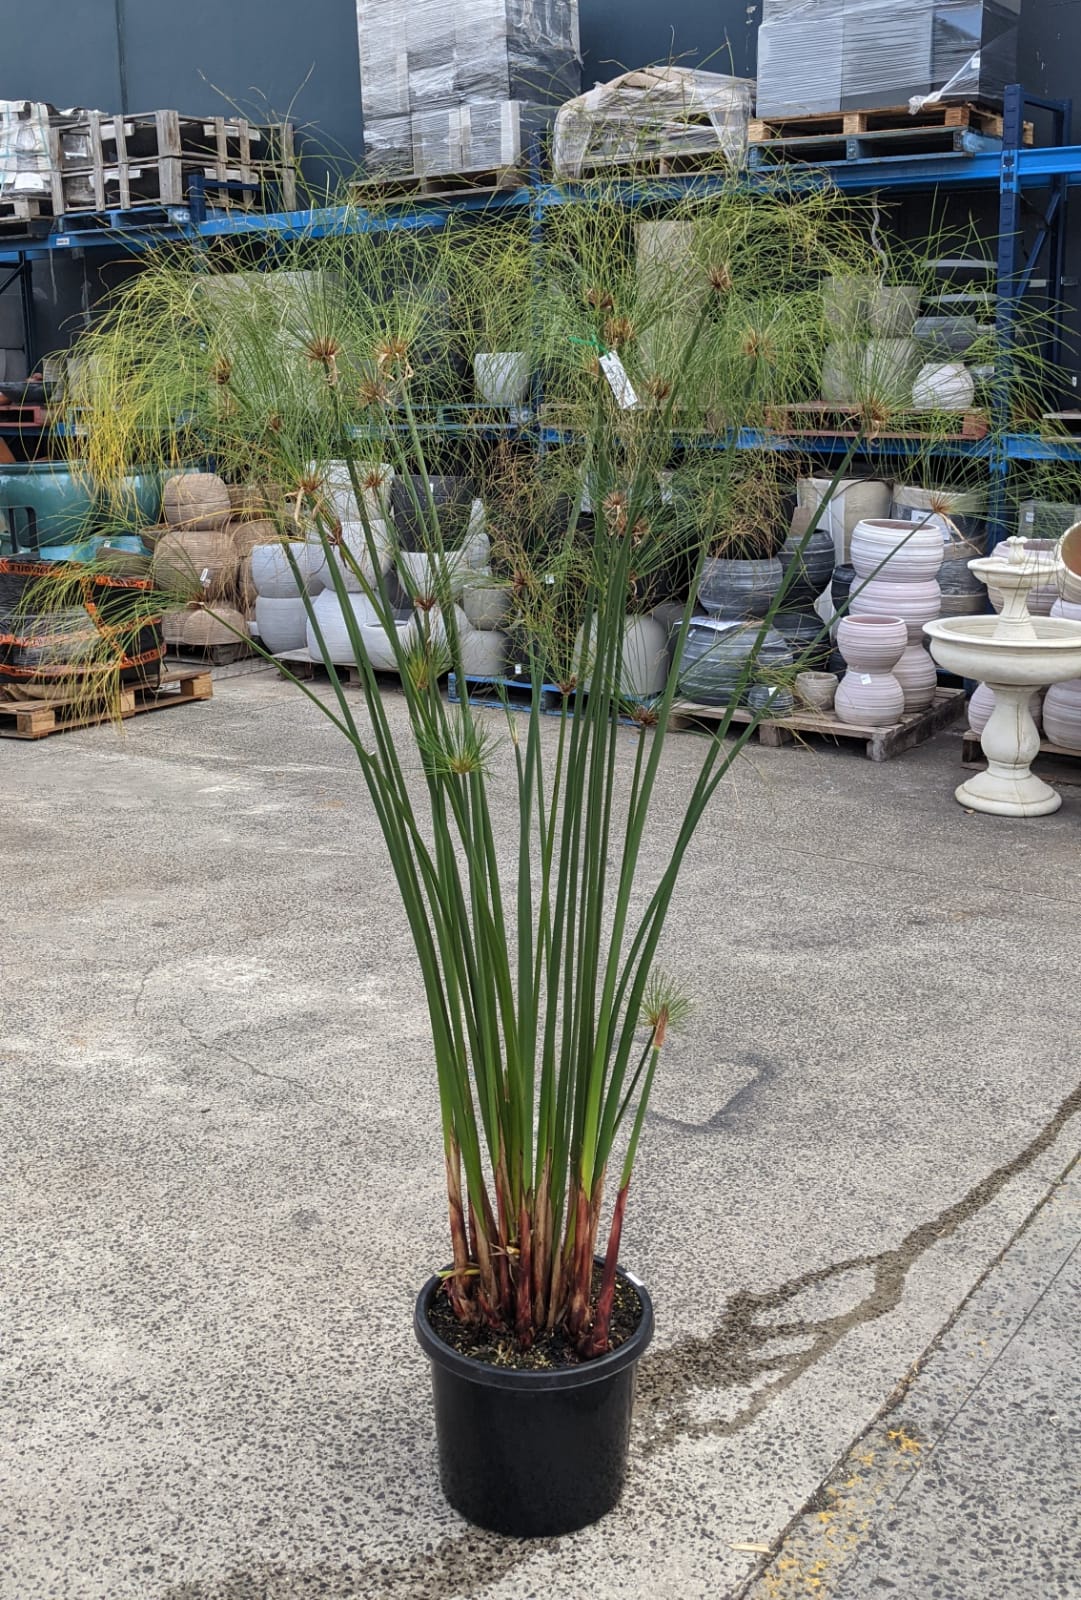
[(539, 951)]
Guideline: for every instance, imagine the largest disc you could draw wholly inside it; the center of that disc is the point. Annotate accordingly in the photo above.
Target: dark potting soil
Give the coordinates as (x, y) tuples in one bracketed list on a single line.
[(550, 1350)]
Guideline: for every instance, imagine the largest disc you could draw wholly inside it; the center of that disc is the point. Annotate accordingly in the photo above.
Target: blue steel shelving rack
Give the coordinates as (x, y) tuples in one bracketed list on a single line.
[(1012, 172)]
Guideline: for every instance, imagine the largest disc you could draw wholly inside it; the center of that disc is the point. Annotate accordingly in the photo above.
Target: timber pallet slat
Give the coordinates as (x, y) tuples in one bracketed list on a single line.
[(882, 743), (1054, 763), (814, 418), (36, 719), (488, 180), (15, 416), (705, 161), (302, 664), (884, 119)]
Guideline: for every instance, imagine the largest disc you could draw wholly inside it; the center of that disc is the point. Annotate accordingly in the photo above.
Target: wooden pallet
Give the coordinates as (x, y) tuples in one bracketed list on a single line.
[(887, 119), (814, 418), (703, 160), (882, 743), (452, 185), (36, 719), (17, 212), (302, 664), (516, 692), (1054, 764), (214, 655), (14, 416)]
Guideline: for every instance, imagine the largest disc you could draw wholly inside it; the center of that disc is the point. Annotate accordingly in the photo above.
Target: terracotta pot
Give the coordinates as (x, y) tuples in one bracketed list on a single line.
[(870, 700), (894, 551), (917, 603), (817, 690), (918, 677), (872, 644), (1062, 714)]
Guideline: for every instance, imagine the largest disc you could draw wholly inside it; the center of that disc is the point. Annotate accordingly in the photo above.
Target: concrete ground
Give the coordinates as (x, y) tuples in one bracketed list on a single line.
[(222, 1189)]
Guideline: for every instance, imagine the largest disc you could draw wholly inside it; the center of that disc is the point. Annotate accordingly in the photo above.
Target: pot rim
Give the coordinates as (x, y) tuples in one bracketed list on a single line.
[(861, 618), (527, 1380)]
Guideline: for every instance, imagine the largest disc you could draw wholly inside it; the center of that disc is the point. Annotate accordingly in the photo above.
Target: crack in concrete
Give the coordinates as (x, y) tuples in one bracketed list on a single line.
[(231, 1055), (734, 1354)]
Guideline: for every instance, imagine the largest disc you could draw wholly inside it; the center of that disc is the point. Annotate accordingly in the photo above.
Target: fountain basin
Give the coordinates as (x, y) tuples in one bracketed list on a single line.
[(974, 647)]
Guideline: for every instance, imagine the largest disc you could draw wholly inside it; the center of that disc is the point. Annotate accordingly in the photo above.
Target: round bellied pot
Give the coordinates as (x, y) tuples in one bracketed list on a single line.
[(1062, 714), (982, 703), (196, 500), (852, 500), (807, 561), (918, 677), (643, 666), (894, 551), (714, 665), (917, 602), (889, 366), (736, 589), (273, 573), (411, 499), (329, 614), (817, 690), (282, 625), (533, 1454), (960, 518), (502, 376), (487, 603), (773, 699), (806, 635), (869, 694)]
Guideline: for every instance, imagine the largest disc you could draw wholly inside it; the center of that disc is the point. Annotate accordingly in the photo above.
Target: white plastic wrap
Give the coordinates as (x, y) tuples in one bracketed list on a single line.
[(26, 160), (847, 55), (658, 111), (476, 137)]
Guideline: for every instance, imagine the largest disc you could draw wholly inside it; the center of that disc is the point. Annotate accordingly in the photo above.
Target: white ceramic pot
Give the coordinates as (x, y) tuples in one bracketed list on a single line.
[(273, 575), (893, 310), (378, 646), (872, 644), (432, 625), (282, 624), (889, 366), (487, 604), (502, 377), (328, 612), (354, 540), (943, 386), (842, 372), (917, 602), (644, 663), (896, 551), (853, 500), (423, 576), (375, 479), (484, 653), (916, 674), (869, 700)]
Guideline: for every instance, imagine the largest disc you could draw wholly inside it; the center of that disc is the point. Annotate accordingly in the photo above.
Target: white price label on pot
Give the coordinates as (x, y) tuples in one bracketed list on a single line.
[(865, 677), (618, 381)]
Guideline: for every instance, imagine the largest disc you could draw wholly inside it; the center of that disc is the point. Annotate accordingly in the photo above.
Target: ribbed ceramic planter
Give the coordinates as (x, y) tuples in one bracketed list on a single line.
[(960, 518), (918, 677), (738, 589), (771, 698), (411, 498), (817, 690), (1062, 714), (872, 644), (943, 386), (205, 629), (197, 564), (715, 658), (813, 564), (281, 624), (869, 695), (982, 703), (917, 603), (853, 500), (502, 377), (805, 634), (352, 554), (892, 551)]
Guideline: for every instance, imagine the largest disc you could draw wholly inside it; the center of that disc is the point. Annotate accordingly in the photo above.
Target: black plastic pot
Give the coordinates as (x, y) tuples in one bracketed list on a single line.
[(532, 1454)]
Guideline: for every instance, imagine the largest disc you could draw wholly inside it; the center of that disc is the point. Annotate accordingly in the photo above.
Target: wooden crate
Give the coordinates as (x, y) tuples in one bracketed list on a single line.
[(881, 743), (36, 719), (445, 186)]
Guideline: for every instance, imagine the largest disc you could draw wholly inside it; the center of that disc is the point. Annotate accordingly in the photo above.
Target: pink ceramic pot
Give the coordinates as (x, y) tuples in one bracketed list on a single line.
[(982, 703), (872, 644), (918, 677), (1062, 714), (869, 699), (916, 602), (896, 551), (1070, 609)]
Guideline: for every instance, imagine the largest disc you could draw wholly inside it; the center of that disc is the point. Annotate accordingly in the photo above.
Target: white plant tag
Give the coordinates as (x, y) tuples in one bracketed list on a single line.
[(865, 677), (204, 577), (618, 381)]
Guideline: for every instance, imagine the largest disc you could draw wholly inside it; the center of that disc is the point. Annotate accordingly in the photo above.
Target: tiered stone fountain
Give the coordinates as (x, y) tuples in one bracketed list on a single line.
[(1014, 653)]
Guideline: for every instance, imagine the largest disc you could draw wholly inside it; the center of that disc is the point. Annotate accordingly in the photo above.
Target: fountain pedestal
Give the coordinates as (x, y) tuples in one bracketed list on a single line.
[(1013, 653)]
